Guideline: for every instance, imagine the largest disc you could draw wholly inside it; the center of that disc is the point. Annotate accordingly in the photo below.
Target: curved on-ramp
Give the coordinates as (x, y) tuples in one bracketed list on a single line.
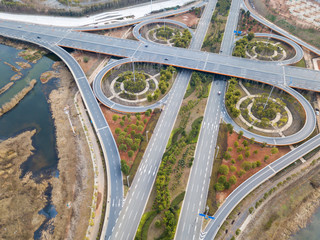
[(298, 50), (117, 106), (299, 136), (137, 28)]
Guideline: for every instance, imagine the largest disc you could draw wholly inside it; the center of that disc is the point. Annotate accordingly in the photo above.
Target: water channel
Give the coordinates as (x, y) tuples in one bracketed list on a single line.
[(33, 112)]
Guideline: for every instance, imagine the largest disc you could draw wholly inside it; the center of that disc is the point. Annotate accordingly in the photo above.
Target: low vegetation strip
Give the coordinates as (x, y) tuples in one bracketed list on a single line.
[(219, 18), (17, 98), (174, 170)]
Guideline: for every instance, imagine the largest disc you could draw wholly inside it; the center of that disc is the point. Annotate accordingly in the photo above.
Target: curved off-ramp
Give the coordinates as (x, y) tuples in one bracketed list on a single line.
[(298, 50), (97, 89), (303, 133), (137, 28)]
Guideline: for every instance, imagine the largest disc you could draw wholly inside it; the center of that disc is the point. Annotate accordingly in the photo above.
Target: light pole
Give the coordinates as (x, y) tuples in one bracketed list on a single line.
[(134, 76), (268, 98), (128, 180), (151, 7), (147, 135)]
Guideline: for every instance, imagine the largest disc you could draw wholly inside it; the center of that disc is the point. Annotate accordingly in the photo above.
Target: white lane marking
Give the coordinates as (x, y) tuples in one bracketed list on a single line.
[(271, 168)]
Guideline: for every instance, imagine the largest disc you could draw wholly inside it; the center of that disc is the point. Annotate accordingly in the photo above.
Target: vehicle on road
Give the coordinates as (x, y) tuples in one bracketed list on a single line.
[(219, 93)]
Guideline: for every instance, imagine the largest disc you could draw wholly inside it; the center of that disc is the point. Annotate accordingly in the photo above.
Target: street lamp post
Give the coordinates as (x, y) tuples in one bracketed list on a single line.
[(128, 180), (147, 135)]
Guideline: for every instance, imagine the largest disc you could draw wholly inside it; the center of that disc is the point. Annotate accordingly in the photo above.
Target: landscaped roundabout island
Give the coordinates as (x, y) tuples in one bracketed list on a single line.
[(264, 110), (146, 84), (268, 47), (164, 31)]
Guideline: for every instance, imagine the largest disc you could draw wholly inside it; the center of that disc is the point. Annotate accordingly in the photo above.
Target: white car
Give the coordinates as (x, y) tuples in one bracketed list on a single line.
[(219, 93)]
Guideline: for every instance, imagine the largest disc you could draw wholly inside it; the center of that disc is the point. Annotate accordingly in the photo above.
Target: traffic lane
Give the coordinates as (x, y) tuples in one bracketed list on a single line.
[(198, 183), (133, 209)]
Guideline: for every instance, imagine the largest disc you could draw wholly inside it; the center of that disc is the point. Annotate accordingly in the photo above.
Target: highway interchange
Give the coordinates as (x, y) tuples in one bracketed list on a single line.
[(277, 74)]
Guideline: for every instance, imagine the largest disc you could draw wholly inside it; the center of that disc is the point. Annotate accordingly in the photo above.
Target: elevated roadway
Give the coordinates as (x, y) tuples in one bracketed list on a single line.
[(191, 59), (302, 134), (179, 57), (116, 106), (108, 145)]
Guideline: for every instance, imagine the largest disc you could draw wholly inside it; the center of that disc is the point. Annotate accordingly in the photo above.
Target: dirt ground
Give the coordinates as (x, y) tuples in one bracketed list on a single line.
[(88, 67), (118, 33), (75, 183), (20, 199), (221, 196), (190, 19)]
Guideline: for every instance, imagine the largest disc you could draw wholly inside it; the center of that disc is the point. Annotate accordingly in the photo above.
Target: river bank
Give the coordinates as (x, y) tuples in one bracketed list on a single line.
[(288, 211)]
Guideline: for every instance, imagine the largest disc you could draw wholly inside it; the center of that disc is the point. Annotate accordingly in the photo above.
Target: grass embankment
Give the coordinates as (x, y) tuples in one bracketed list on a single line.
[(174, 170), (237, 160), (301, 63), (219, 18)]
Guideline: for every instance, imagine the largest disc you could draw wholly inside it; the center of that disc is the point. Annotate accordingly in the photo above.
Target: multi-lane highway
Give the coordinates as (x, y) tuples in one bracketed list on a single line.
[(141, 186), (189, 226), (138, 196), (271, 73)]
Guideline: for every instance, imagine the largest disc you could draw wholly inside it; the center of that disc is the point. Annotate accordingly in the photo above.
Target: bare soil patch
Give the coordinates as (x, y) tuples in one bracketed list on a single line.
[(86, 60), (190, 19)]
